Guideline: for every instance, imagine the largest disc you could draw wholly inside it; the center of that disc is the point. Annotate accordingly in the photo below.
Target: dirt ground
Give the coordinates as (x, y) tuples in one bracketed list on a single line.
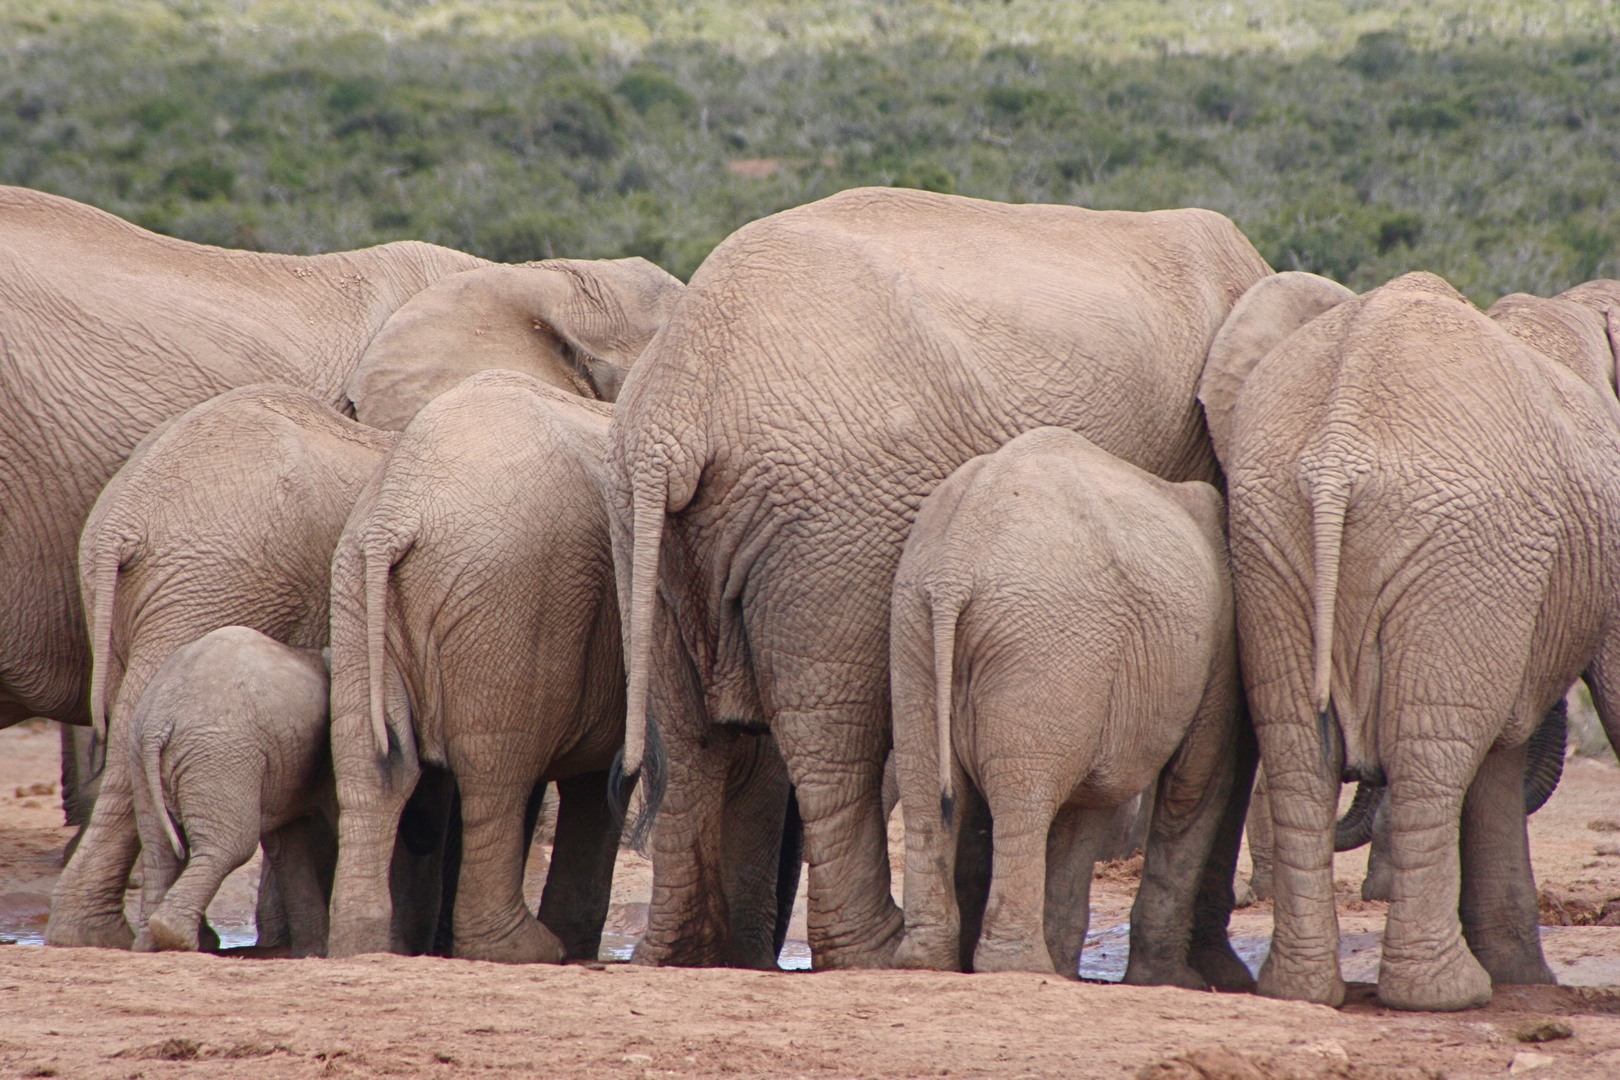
[(102, 1014)]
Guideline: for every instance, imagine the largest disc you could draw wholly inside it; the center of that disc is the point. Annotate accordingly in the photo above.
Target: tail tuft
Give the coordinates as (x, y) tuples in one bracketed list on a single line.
[(947, 808)]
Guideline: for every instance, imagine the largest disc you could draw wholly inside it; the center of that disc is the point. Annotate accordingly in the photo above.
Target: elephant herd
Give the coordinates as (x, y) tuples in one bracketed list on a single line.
[(1039, 507)]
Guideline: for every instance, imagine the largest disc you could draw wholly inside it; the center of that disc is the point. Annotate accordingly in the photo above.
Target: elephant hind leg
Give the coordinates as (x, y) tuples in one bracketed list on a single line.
[(1022, 814), (87, 905), (1426, 963), (177, 923), (1500, 914)]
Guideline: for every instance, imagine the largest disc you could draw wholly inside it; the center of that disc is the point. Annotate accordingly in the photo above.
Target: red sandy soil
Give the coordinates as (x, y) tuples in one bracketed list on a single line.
[(102, 1014)]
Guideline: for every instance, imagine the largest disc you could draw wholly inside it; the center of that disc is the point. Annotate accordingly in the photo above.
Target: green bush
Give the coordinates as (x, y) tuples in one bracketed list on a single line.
[(1387, 145)]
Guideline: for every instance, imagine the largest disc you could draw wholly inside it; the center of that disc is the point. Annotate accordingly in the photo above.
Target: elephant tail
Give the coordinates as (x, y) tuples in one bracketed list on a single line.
[(379, 553), (152, 745), (109, 559), (649, 498), (946, 609), (1330, 499)]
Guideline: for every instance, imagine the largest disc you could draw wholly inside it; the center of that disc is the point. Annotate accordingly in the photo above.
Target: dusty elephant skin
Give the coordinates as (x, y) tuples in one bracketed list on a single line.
[(1423, 503), (229, 743), (826, 368), (474, 628), (226, 515), (109, 330), (1062, 631)]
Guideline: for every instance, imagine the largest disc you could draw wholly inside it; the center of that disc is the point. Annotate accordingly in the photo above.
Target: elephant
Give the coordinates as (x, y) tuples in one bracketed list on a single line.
[(230, 743), (1062, 634), (474, 628), (109, 330), (826, 367), (1421, 497), (226, 515)]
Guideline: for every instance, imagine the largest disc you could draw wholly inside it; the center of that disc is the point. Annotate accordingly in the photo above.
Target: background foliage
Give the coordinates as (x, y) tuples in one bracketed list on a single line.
[(1355, 138)]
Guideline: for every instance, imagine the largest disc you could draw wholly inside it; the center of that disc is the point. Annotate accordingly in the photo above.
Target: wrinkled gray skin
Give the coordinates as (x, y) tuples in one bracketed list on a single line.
[(227, 515), (1063, 631), (107, 331), (229, 743), (1411, 607), (474, 628), (826, 368)]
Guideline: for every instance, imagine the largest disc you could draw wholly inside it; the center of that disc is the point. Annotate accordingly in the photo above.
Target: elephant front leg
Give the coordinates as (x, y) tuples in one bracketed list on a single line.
[(1210, 953), (1303, 792), (579, 881), (1073, 844), (1258, 826), (1179, 918), (87, 905), (687, 921), (752, 841), (835, 758), (1499, 909), (293, 855)]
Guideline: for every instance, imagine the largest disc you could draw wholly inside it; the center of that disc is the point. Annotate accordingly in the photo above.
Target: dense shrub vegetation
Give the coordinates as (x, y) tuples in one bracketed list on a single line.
[(1490, 158)]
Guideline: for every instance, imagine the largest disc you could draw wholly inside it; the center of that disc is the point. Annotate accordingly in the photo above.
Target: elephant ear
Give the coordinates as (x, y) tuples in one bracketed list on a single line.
[(1572, 334), (574, 324), (1603, 297), (1272, 309)]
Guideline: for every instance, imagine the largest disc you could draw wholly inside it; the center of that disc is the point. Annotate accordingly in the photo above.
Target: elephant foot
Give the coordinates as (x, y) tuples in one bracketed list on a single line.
[(924, 951), (528, 943), (1516, 966), (1451, 983), (1221, 967), (171, 934), (1145, 971), (752, 955), (1317, 982), (1012, 956), (106, 930), (207, 938), (143, 941), (876, 952), (356, 935)]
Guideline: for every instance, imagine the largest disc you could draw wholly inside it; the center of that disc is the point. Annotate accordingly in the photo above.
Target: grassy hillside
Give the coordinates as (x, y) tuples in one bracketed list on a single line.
[(1356, 139)]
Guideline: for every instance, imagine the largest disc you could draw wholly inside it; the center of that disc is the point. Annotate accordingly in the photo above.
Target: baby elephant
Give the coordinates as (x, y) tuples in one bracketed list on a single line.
[(1061, 632), (229, 744)]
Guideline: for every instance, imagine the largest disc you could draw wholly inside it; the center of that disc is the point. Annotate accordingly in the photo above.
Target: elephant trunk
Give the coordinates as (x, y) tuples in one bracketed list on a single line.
[(1356, 827), (1544, 764), (946, 610)]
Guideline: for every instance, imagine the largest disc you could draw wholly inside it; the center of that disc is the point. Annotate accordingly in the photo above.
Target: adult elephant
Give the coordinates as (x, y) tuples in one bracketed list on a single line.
[(1423, 502), (827, 367), (106, 330)]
